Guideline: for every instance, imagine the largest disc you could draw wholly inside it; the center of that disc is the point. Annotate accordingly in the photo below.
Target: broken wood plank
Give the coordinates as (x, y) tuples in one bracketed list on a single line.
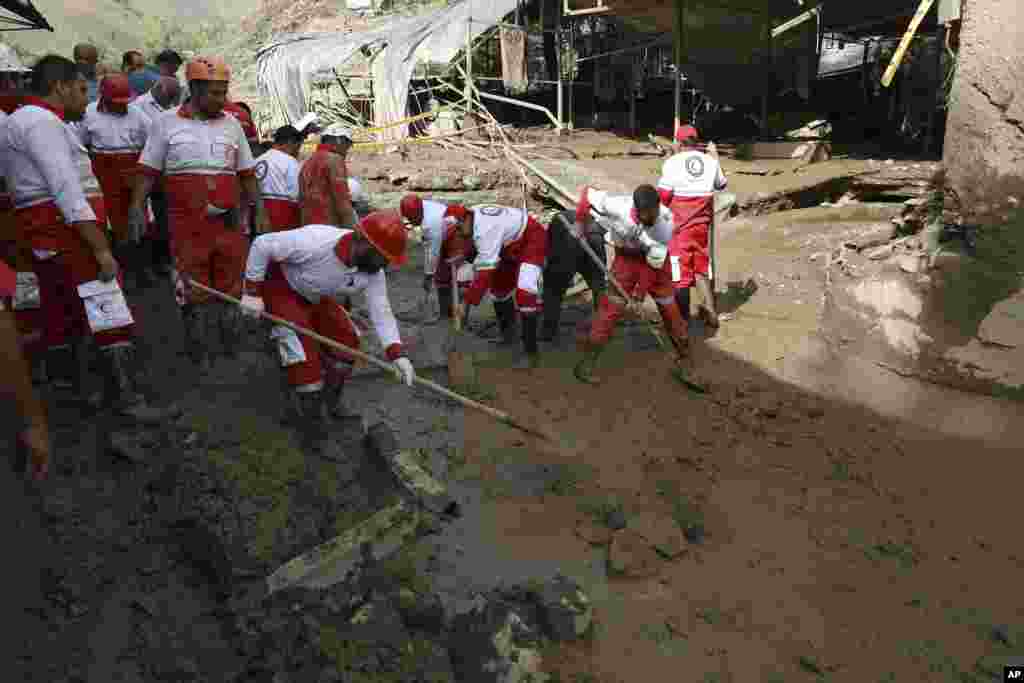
[(331, 562)]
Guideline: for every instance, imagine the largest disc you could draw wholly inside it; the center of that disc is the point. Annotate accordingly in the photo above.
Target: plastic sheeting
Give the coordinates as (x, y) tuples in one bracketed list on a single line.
[(288, 66)]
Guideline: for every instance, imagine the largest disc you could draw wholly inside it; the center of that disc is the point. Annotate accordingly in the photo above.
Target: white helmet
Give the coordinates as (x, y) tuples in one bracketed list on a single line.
[(355, 188), (9, 62), (337, 130)]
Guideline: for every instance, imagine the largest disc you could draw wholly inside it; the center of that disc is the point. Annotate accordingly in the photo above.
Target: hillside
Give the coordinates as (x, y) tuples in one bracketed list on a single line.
[(119, 25)]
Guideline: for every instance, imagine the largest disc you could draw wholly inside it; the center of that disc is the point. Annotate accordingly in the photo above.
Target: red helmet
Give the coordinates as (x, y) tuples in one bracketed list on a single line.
[(386, 232), (412, 208)]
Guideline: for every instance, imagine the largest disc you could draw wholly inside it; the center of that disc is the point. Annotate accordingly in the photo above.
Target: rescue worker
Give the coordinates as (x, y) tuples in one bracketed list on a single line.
[(301, 275), (87, 57), (566, 258), (639, 229), (278, 173), (202, 157), (33, 431), (324, 196), (444, 246), (60, 213), (168, 62), (511, 248), (162, 97), (689, 180), (115, 132)]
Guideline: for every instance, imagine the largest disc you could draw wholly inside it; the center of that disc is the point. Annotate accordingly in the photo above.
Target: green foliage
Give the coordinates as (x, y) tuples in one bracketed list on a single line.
[(159, 33)]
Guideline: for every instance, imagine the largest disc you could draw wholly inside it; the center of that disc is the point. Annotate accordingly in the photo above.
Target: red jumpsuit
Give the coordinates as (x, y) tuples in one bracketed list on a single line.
[(115, 142), (511, 250), (201, 161), (52, 186), (323, 180), (687, 186), (278, 174), (301, 275)]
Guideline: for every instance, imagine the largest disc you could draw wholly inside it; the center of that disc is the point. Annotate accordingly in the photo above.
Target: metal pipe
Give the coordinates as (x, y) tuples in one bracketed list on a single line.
[(525, 105)]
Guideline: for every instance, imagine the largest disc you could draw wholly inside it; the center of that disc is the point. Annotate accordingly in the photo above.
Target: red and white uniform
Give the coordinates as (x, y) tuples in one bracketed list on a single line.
[(688, 184), (115, 143), (149, 106), (323, 175), (52, 185), (24, 297), (302, 275), (201, 161), (278, 174), (511, 249), (443, 246), (630, 267)]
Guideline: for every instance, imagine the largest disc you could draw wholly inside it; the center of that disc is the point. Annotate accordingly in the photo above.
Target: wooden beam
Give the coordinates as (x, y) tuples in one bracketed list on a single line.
[(897, 58), (795, 21)]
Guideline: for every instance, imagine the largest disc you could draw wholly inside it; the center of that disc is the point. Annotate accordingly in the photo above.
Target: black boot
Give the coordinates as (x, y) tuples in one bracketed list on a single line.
[(552, 315), (122, 389), (505, 311), (61, 366), (313, 429), (142, 257), (333, 395), (194, 318), (232, 328), (529, 322), (444, 301)]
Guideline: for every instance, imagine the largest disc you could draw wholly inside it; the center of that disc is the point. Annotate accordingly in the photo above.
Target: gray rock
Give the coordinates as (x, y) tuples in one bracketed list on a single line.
[(565, 610), (616, 519), (498, 644)]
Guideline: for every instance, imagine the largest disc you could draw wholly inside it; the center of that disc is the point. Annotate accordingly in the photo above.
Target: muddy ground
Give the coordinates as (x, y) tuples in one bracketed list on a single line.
[(764, 531)]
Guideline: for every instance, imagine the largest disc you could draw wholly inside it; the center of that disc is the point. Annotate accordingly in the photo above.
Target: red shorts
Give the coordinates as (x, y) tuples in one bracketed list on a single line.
[(688, 254)]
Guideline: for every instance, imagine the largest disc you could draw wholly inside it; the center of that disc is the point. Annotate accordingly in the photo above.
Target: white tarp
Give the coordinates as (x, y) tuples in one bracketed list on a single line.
[(286, 67)]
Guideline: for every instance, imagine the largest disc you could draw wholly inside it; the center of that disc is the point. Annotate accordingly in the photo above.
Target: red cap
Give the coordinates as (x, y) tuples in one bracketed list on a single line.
[(687, 132), (412, 208), (115, 89)]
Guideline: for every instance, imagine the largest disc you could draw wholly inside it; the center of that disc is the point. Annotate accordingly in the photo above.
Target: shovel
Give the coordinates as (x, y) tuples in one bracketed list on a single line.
[(461, 368)]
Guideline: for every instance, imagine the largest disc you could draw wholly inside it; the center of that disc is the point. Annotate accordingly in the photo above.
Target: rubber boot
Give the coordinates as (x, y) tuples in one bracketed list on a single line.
[(552, 316), (121, 388), (444, 301), (333, 395), (194, 317), (232, 328), (505, 311), (532, 354), (314, 429)]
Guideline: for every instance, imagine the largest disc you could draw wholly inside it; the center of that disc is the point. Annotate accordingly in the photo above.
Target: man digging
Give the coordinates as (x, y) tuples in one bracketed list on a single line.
[(301, 275)]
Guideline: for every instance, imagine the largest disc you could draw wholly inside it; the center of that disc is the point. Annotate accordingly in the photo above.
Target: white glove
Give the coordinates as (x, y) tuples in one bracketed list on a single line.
[(656, 254), (404, 366), (252, 306)]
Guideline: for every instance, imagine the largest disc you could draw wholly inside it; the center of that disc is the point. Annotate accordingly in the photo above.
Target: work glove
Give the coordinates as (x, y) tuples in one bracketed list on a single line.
[(404, 366), (252, 306), (136, 224), (656, 256)]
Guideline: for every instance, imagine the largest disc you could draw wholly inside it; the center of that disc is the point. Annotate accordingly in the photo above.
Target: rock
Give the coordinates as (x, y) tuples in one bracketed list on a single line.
[(874, 236), (631, 555), (593, 533), (565, 610), (662, 533), (879, 253), (421, 611), (615, 519), (1004, 325), (695, 534), (498, 643), (909, 263), (408, 473)]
